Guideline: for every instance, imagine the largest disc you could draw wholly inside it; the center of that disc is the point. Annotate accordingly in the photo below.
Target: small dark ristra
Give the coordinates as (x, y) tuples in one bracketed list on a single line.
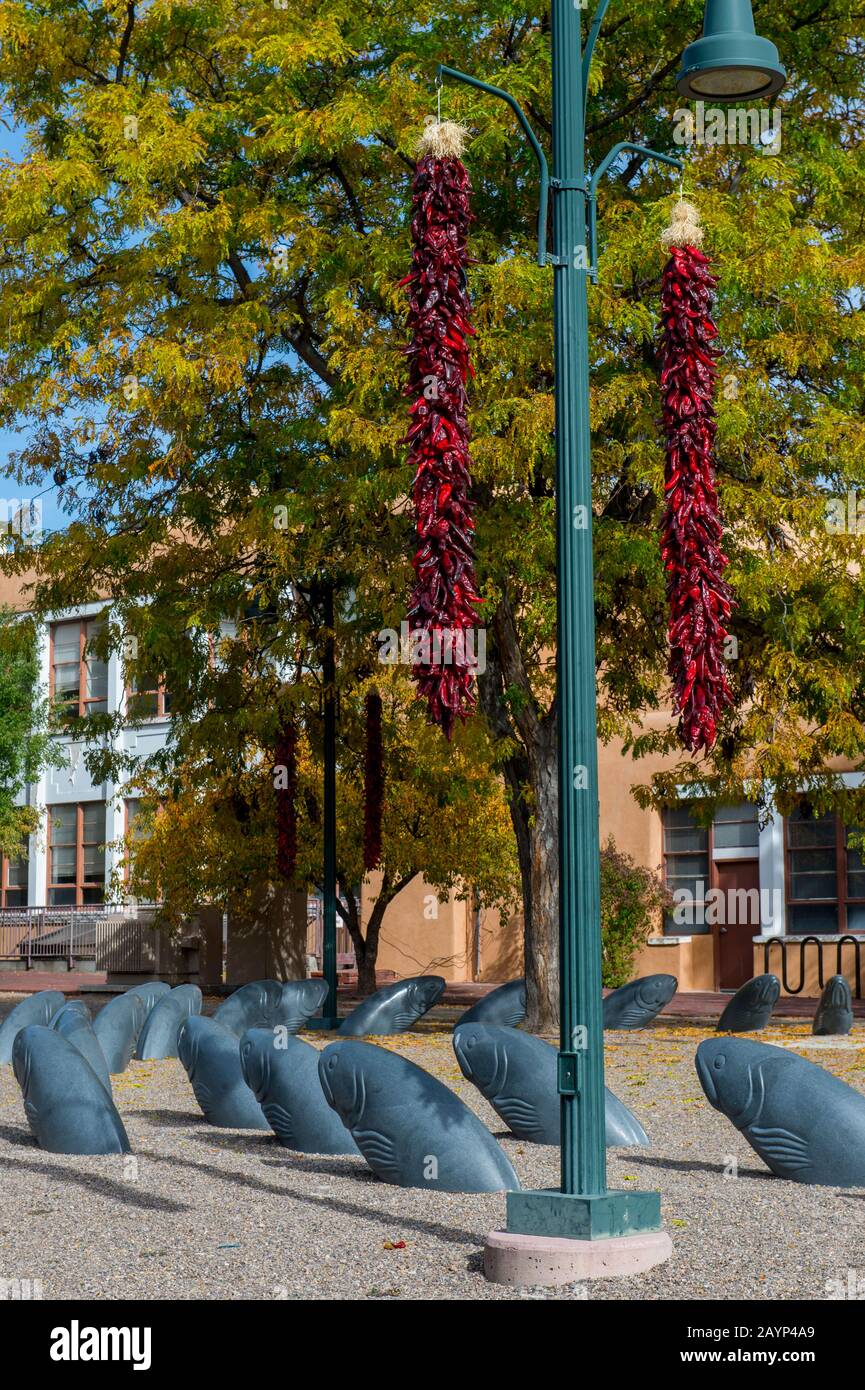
[(373, 783), (700, 600), (285, 756), (444, 597)]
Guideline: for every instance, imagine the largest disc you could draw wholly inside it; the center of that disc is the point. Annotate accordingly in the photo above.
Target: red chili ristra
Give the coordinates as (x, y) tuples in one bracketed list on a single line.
[(691, 531), (444, 597), (285, 756)]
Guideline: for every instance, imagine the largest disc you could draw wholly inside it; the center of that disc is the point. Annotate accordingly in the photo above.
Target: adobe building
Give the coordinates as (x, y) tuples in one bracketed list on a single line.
[(787, 895)]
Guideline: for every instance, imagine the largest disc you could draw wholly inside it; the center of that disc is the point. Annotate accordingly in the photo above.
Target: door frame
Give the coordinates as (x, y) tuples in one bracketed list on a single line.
[(752, 857)]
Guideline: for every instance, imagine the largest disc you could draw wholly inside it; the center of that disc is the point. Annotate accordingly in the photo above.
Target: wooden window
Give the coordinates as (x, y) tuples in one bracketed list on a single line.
[(13, 882), (76, 854), (687, 866), (147, 698), (735, 828), (690, 852), (825, 876), (79, 680)]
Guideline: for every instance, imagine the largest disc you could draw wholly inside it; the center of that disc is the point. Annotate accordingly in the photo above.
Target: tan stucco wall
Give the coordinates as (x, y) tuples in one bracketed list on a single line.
[(691, 960), (419, 934)]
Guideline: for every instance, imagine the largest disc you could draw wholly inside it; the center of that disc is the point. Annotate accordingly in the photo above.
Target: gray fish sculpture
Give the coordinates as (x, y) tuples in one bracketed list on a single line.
[(505, 1006), (751, 1006), (211, 1058), (805, 1124), (412, 1130), (150, 993), (834, 1014), (67, 1106), (158, 1037), (37, 1008), (117, 1026), (73, 1022), (635, 1004), (517, 1074), (282, 1072), (394, 1008), (270, 1004)]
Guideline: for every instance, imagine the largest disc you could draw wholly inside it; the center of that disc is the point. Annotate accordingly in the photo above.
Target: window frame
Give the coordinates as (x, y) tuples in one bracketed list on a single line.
[(842, 900), (84, 700), (161, 696), (80, 886), (687, 929), (5, 905)]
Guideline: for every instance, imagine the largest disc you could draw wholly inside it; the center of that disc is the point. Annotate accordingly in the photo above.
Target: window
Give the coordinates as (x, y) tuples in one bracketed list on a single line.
[(690, 853), (79, 680), (736, 828), (76, 854), (147, 698), (825, 876), (13, 882), (686, 866)]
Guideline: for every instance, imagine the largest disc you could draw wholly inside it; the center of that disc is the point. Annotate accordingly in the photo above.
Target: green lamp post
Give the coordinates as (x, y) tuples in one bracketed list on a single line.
[(583, 1227)]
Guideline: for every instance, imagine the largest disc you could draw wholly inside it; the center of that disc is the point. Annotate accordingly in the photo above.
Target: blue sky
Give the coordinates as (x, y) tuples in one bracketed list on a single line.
[(12, 147)]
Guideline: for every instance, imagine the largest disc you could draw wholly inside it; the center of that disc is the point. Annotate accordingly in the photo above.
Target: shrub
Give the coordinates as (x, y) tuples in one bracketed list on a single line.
[(632, 900)]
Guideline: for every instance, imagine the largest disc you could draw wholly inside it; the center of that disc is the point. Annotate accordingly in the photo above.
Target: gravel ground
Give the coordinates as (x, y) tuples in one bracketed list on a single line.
[(204, 1213)]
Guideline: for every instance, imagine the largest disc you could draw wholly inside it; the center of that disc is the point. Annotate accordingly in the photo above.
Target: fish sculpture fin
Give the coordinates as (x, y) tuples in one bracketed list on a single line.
[(519, 1115), (379, 1152), (404, 1020), (280, 1122), (514, 1019), (633, 1015), (779, 1148), (203, 1095)]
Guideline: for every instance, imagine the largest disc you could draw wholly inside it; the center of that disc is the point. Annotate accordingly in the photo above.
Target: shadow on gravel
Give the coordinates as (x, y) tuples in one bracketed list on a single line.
[(384, 1218), (124, 1192), (21, 1138), (168, 1119), (327, 1165), (693, 1165)]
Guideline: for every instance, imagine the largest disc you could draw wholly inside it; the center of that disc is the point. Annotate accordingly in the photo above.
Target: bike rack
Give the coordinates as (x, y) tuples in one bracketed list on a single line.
[(783, 942)]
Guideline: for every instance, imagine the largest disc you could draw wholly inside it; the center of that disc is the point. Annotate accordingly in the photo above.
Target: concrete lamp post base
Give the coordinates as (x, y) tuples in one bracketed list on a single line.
[(556, 1260), (558, 1238)]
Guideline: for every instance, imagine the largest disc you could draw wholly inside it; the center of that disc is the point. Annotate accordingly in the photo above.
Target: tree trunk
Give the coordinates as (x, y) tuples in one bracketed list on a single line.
[(531, 778), (365, 944), (286, 924), (366, 966)]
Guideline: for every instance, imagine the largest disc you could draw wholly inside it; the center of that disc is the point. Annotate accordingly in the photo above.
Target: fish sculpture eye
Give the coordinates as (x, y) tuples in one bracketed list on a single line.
[(720, 1062)]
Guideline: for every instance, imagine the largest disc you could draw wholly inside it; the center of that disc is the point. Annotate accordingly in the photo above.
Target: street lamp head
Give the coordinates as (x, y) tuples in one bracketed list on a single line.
[(730, 62)]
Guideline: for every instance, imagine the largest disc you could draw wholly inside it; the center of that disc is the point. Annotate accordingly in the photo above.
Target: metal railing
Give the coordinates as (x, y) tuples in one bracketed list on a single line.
[(783, 942), (114, 938)]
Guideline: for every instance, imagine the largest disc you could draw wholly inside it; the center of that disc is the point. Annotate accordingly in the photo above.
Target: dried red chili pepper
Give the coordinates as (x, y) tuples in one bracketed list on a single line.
[(285, 778), (691, 530), (444, 598), (373, 783)]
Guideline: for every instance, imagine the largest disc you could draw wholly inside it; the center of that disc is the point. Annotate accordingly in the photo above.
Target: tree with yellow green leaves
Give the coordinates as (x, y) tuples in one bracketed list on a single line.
[(210, 836), (203, 329)]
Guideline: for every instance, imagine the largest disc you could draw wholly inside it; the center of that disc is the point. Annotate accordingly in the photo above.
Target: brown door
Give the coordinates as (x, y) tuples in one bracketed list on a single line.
[(739, 881)]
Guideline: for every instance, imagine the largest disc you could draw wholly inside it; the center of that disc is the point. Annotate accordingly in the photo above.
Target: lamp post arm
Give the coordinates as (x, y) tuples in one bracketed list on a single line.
[(597, 21), (592, 191), (533, 140)]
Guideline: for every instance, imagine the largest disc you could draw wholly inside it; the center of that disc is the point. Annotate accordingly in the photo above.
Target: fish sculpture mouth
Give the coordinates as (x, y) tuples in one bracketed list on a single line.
[(351, 1114), (358, 1103), (255, 1067), (706, 1081)]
